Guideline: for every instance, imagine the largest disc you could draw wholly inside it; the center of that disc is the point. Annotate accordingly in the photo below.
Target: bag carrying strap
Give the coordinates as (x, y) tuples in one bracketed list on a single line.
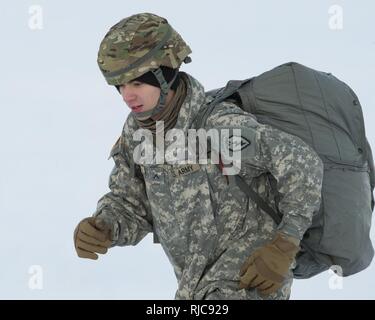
[(246, 189), (370, 161), (275, 215), (240, 87), (219, 96)]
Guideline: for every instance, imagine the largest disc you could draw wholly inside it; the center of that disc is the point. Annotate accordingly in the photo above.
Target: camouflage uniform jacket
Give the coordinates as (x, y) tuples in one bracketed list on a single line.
[(207, 226)]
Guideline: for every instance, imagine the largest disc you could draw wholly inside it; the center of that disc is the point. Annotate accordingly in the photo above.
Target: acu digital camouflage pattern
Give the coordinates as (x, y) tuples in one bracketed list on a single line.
[(129, 49), (207, 227)]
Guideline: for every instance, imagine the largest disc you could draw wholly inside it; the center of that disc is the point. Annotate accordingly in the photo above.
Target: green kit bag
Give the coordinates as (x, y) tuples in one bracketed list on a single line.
[(325, 113)]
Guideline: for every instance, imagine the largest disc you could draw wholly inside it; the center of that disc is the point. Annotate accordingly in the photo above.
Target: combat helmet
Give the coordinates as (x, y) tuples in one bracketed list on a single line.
[(138, 44)]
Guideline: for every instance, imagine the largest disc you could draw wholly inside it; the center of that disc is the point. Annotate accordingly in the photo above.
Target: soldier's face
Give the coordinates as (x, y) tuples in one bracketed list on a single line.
[(140, 97)]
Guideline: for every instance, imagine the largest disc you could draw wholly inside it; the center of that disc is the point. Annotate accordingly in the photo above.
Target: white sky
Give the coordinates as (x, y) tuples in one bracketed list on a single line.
[(59, 119)]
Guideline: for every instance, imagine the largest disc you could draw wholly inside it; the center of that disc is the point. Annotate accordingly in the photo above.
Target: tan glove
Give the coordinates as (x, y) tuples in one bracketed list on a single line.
[(90, 236), (268, 266)]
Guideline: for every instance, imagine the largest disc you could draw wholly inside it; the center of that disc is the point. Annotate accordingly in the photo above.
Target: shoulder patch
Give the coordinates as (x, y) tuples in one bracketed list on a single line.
[(236, 144)]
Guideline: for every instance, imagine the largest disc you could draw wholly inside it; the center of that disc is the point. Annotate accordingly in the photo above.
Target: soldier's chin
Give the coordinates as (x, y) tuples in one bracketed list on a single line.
[(142, 118), (137, 112)]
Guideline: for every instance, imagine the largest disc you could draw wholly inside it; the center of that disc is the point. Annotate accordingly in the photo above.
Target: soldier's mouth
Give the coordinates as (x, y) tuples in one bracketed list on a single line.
[(137, 108)]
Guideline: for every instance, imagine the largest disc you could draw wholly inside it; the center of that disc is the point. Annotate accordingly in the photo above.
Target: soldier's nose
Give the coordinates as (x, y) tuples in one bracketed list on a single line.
[(127, 95)]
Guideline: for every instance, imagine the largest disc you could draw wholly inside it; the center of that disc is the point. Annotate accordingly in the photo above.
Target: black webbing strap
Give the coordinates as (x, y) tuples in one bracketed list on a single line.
[(276, 216)]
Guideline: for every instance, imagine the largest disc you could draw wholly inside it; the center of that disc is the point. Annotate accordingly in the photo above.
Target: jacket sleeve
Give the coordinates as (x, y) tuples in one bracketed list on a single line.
[(296, 167), (125, 208)]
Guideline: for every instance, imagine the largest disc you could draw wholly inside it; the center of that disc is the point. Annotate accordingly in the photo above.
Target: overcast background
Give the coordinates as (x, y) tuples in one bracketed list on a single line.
[(59, 120)]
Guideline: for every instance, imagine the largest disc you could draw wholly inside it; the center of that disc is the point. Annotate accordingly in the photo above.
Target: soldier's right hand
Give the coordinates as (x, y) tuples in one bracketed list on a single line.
[(92, 236)]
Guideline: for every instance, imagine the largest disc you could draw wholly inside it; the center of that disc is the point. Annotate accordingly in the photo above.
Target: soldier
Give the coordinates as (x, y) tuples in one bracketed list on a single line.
[(221, 245)]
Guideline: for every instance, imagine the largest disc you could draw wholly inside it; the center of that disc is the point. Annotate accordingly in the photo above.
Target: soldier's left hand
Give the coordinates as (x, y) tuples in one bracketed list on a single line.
[(268, 266)]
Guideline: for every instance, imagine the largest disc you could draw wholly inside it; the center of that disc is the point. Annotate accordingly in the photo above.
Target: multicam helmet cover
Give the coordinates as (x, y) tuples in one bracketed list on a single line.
[(138, 44)]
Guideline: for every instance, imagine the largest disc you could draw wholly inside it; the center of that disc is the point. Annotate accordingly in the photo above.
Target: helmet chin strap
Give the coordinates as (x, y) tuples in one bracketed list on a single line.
[(164, 89)]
